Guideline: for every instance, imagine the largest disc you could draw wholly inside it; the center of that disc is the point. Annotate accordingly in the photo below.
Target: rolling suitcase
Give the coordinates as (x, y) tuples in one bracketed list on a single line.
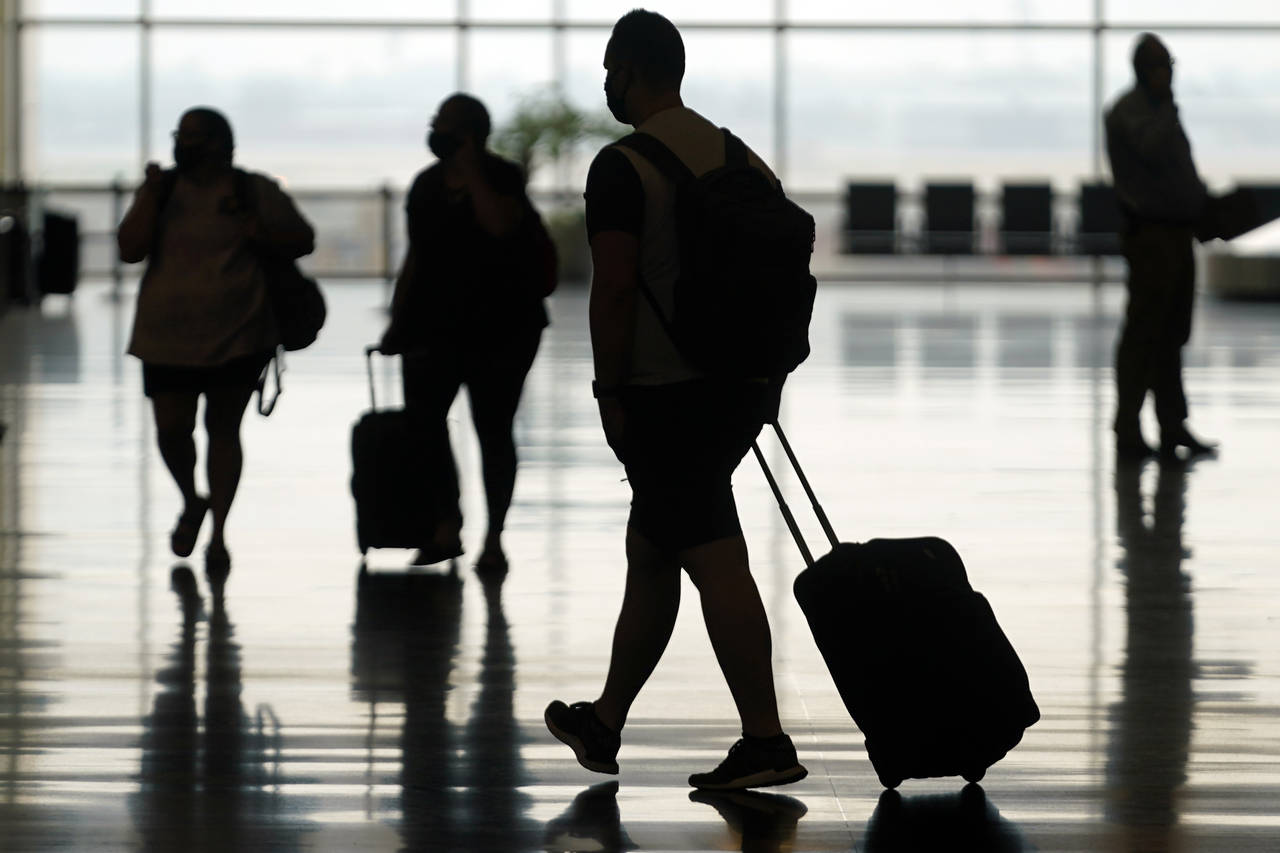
[(916, 654), (388, 476)]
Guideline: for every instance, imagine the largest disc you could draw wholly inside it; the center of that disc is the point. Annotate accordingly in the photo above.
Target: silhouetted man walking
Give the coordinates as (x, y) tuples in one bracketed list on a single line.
[(1161, 196), (679, 433)]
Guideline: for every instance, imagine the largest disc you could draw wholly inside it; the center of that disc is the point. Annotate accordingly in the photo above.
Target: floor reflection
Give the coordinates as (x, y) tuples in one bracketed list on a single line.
[(404, 650), (1152, 723), (459, 784), (492, 769), (591, 822), (133, 719), (965, 820), (209, 784), (759, 822)]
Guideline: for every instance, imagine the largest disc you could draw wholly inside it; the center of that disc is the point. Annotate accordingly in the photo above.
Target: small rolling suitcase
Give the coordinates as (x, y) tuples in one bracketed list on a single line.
[(916, 654), (388, 476)]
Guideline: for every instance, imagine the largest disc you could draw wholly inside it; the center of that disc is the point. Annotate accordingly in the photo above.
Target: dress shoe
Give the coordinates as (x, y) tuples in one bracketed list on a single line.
[(1182, 437)]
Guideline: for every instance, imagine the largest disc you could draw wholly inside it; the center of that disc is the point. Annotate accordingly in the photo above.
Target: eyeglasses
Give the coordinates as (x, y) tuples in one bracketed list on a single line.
[(188, 137)]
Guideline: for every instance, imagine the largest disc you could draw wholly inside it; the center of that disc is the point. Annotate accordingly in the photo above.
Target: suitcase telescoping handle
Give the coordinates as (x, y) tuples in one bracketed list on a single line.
[(808, 490), (368, 363)]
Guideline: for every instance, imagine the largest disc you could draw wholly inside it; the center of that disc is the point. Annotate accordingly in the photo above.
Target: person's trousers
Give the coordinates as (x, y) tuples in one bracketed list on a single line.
[(1157, 324), (494, 372)]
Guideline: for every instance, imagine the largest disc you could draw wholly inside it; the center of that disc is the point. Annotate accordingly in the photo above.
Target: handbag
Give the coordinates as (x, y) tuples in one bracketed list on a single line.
[(297, 304), (533, 255)]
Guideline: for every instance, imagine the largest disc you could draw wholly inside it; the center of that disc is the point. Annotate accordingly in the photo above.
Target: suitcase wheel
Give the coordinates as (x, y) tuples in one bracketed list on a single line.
[(891, 782), (974, 775)]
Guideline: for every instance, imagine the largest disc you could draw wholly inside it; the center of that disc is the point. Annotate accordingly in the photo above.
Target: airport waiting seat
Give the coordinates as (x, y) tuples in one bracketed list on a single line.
[(870, 218), (1026, 219), (1098, 231), (948, 219)]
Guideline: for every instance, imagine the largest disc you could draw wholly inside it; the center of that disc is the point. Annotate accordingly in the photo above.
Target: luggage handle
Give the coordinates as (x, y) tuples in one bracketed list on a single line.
[(787, 515), (368, 363)]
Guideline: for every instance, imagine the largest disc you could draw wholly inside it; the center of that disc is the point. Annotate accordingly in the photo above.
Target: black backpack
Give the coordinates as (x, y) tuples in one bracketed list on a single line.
[(744, 296)]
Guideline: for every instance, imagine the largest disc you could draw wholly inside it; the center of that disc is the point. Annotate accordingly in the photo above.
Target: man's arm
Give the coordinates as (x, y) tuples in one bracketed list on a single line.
[(611, 312), (615, 217), (612, 304)]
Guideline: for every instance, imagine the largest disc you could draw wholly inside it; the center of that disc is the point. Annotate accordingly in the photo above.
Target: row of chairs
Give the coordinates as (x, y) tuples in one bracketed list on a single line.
[(873, 222)]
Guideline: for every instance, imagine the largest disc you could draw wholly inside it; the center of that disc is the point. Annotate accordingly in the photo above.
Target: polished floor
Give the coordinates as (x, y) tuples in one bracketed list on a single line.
[(316, 709)]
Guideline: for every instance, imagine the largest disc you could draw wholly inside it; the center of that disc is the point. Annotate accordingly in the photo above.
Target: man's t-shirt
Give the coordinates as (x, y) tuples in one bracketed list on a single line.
[(627, 193), (615, 196)]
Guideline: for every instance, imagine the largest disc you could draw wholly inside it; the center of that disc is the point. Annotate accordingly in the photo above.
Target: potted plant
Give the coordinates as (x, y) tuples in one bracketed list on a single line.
[(547, 130)]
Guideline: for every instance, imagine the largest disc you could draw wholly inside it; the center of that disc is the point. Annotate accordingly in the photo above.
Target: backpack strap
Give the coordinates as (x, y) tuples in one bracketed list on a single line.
[(656, 152), (673, 169)]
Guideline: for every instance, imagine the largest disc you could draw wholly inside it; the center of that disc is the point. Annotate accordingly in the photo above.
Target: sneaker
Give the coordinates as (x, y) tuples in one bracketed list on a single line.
[(754, 764), (591, 740)]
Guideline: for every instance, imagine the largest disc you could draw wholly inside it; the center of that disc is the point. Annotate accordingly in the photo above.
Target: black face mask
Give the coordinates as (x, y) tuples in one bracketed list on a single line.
[(616, 100), (443, 144), (188, 157)]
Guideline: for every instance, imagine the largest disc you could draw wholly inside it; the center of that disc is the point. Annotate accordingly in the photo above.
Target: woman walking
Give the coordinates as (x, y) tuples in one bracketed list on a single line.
[(467, 310), (203, 325)]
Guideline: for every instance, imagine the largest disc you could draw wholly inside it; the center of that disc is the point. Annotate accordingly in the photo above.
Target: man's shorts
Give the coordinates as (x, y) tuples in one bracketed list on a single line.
[(681, 444)]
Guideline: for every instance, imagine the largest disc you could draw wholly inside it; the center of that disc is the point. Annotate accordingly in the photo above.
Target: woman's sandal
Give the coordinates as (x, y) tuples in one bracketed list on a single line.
[(217, 562), (183, 538)]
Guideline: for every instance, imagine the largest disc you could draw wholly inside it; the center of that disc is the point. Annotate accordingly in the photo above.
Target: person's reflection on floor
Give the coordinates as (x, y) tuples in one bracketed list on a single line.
[(1151, 724), (167, 804), (492, 769), (405, 648), (763, 823), (202, 785), (961, 821), (591, 822)]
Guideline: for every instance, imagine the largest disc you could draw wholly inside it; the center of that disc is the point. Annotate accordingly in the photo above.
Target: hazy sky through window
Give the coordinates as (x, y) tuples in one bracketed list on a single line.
[(348, 106)]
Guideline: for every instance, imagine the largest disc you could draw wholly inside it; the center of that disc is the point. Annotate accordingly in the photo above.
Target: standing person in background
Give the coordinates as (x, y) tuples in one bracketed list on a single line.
[(1161, 197), (465, 313), (678, 432), (203, 324)]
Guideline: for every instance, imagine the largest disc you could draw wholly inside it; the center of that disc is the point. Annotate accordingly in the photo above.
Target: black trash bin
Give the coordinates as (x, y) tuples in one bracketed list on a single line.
[(15, 247), (58, 266)]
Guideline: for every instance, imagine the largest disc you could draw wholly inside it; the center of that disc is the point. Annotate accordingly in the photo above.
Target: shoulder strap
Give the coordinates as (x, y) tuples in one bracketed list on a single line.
[(242, 184), (735, 150), (673, 169), (656, 152)]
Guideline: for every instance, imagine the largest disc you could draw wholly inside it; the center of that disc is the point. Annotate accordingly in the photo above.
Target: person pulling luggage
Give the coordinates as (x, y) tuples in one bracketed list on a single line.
[(467, 310)]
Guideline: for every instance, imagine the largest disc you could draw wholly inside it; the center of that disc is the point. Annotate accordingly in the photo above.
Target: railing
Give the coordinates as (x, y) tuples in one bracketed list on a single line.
[(360, 231)]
